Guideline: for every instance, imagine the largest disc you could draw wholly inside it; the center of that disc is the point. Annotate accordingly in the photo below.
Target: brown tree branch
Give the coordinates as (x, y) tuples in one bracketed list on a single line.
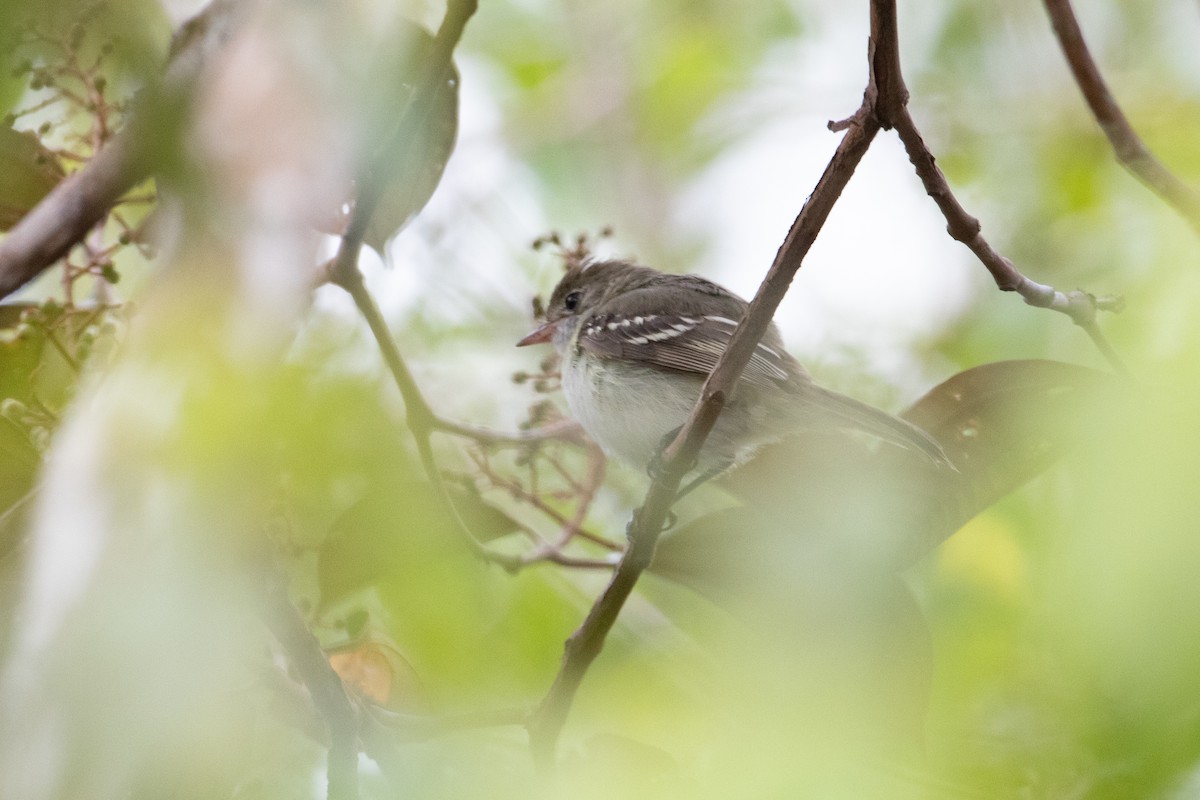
[(68, 212), (343, 270), (423, 422), (892, 107), (65, 215), (647, 524), (324, 686), (1082, 307), (1129, 148), (569, 527)]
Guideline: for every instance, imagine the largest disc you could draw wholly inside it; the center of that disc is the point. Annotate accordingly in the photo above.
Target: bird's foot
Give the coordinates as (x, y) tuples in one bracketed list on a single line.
[(656, 466)]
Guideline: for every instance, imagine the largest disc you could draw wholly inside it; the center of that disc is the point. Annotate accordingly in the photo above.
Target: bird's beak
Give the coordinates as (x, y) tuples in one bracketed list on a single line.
[(541, 334)]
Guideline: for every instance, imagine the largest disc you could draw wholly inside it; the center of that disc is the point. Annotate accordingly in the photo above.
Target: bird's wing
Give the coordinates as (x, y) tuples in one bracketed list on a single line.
[(688, 343)]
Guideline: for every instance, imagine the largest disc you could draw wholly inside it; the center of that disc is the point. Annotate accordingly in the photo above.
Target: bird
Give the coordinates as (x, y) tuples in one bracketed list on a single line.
[(636, 345)]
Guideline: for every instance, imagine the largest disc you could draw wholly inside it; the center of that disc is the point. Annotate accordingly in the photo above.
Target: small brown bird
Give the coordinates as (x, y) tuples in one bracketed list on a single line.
[(637, 345)]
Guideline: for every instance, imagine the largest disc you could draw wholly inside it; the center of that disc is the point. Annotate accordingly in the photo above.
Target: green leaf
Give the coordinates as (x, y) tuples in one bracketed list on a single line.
[(394, 527), (864, 510), (412, 168), (1003, 423)]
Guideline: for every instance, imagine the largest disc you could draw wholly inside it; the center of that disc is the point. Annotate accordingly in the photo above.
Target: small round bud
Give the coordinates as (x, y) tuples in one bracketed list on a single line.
[(100, 83), (109, 272), (44, 128), (520, 377)]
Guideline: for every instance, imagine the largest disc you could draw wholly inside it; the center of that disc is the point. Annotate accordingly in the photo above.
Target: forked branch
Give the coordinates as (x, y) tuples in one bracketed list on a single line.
[(892, 107), (1129, 148), (647, 524)]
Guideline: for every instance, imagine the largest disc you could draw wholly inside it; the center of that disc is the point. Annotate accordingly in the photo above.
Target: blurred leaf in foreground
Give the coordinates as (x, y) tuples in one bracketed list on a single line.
[(408, 164), (812, 562)]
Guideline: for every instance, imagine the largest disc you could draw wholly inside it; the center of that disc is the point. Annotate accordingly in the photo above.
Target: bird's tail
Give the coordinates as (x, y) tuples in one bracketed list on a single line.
[(855, 415)]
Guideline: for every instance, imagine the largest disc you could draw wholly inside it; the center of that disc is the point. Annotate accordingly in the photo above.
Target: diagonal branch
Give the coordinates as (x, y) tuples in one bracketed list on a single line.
[(647, 524), (884, 106), (892, 107), (344, 270), (65, 215), (68, 212), (1129, 148), (324, 686)]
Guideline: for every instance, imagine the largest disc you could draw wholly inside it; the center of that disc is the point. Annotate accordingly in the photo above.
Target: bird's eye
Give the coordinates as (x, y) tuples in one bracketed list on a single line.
[(571, 301)]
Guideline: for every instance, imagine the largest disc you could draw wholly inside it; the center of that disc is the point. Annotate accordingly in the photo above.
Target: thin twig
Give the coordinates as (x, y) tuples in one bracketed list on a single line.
[(597, 466), (585, 494), (410, 115), (344, 270), (1129, 148), (567, 430), (417, 410), (892, 108), (1080, 306), (62, 350), (65, 215)]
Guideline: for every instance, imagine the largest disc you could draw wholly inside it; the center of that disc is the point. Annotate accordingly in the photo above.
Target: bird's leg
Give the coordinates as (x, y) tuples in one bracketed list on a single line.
[(701, 479), (655, 468)]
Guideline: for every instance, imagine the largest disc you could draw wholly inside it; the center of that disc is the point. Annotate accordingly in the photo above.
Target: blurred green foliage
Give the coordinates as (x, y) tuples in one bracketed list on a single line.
[(1050, 650)]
